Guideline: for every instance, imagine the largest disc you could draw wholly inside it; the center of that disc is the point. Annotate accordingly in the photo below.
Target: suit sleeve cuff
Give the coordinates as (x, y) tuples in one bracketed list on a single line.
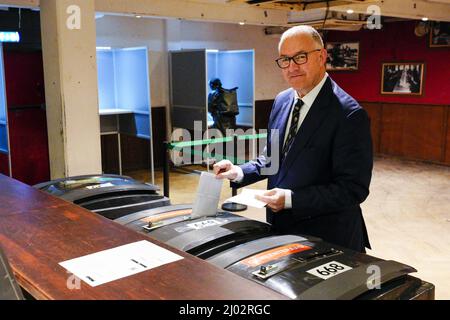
[(240, 175), (287, 199)]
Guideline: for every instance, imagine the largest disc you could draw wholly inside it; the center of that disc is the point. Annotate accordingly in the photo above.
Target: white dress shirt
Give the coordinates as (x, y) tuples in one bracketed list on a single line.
[(308, 101)]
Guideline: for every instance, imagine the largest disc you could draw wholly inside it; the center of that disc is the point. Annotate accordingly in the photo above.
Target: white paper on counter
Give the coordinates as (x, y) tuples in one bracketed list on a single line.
[(247, 197), (208, 196), (116, 263)]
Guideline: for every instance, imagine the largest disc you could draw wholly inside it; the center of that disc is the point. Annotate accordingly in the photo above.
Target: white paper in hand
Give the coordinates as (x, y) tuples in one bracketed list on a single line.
[(247, 197), (208, 196)]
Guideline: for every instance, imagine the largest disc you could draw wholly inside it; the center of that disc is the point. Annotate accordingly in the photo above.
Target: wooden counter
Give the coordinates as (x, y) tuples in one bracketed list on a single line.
[(37, 231)]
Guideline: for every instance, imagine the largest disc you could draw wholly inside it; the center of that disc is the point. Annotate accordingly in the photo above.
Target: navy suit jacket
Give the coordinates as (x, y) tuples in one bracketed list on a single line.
[(328, 168)]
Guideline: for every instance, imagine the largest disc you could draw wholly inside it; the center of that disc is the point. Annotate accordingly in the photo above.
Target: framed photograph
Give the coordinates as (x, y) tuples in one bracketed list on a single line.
[(404, 78), (440, 34), (342, 56)]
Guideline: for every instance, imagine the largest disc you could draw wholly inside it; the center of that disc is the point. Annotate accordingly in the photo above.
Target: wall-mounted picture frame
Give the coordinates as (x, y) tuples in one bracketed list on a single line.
[(440, 34), (342, 56), (402, 78)]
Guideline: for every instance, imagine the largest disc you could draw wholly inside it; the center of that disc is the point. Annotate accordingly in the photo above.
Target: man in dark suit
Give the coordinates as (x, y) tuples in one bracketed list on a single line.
[(325, 150)]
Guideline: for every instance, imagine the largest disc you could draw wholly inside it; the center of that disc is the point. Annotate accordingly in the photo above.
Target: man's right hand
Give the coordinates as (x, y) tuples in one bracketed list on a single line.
[(224, 169)]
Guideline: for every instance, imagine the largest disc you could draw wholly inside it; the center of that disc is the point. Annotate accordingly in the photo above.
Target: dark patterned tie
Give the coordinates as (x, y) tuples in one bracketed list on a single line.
[(293, 129)]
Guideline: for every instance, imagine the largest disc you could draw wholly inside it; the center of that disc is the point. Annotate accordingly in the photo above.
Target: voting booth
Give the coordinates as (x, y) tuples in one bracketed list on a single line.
[(190, 73), (124, 95)]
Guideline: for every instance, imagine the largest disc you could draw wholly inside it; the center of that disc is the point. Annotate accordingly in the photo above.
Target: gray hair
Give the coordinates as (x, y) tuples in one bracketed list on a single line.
[(303, 29)]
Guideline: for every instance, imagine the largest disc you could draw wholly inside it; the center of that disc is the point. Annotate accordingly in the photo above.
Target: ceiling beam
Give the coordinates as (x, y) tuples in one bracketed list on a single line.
[(299, 5), (408, 9), (234, 11), (20, 3), (194, 10), (181, 9)]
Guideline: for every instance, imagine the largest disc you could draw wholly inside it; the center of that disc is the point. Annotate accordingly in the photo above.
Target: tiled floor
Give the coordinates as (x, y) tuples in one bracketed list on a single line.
[(407, 214)]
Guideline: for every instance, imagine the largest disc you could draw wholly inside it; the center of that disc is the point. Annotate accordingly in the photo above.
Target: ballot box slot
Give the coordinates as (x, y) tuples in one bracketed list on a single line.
[(307, 257), (113, 195), (268, 270), (115, 200), (152, 225), (136, 217), (214, 247)]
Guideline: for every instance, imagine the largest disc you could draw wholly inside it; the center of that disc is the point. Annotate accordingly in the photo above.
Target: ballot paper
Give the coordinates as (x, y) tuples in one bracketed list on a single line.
[(247, 197), (116, 263), (208, 196)]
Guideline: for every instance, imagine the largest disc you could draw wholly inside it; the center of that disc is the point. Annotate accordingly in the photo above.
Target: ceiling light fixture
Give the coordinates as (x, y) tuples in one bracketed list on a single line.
[(9, 36)]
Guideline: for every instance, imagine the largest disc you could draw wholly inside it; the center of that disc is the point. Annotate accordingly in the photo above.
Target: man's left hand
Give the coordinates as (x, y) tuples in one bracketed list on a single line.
[(274, 198)]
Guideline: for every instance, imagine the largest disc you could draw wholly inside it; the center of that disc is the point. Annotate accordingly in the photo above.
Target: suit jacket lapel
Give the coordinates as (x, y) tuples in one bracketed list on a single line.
[(316, 114)]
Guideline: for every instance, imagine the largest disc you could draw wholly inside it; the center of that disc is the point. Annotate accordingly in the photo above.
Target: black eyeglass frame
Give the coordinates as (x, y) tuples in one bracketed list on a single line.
[(293, 58)]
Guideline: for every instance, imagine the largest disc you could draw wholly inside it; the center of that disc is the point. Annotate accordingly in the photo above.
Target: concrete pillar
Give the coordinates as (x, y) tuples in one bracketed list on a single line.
[(71, 93)]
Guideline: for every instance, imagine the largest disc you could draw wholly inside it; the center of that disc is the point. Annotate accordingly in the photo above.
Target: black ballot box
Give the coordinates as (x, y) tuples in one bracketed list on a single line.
[(307, 268), (200, 236), (111, 196), (297, 266)]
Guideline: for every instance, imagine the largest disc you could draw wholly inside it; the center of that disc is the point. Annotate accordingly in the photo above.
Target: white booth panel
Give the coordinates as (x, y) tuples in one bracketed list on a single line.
[(132, 80), (106, 80)]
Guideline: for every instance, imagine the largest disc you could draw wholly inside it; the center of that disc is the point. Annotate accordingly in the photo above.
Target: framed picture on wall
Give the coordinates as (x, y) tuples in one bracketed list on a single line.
[(404, 78), (440, 34), (342, 56)]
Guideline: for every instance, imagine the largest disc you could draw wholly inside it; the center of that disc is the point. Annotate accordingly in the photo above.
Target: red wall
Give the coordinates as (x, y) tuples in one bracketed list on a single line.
[(29, 146), (395, 42), (24, 75), (4, 164), (24, 81)]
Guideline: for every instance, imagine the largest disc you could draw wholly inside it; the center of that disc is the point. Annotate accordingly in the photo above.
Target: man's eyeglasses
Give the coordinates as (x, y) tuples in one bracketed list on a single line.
[(299, 58)]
